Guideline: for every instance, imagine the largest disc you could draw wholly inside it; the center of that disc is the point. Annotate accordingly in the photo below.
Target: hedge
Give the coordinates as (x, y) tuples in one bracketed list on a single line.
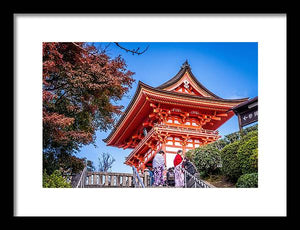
[(248, 181), (230, 163), (254, 158), (248, 136), (236, 154), (207, 159), (245, 155)]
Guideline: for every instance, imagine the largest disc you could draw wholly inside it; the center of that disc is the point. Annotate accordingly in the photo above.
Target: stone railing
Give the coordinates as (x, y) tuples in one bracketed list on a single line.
[(194, 181), (112, 179), (125, 180)]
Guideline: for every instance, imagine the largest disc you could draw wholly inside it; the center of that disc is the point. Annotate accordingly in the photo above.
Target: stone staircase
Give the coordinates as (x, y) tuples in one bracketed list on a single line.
[(126, 180)]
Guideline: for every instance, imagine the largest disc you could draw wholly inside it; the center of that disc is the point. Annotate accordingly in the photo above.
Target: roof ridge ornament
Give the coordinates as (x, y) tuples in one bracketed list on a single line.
[(186, 65), (186, 84)]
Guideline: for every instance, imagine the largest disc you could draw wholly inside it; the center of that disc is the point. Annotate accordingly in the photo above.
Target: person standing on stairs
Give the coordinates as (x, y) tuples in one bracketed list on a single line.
[(158, 168), (179, 175)]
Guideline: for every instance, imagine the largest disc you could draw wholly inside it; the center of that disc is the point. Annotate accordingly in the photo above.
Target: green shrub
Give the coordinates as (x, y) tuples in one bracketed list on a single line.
[(248, 136), (55, 180), (190, 155), (248, 181), (207, 159), (238, 154), (244, 155), (236, 136), (254, 158), (230, 163), (251, 128), (221, 143)]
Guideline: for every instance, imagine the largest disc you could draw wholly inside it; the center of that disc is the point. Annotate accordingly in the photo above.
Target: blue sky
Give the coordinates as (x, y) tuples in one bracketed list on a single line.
[(229, 70)]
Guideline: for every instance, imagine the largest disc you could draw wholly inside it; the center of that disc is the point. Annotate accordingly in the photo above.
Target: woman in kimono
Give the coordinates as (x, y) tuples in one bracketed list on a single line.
[(158, 168), (179, 175)]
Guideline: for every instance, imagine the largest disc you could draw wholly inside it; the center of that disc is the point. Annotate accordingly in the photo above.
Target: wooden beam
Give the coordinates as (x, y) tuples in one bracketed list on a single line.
[(216, 118), (222, 115)]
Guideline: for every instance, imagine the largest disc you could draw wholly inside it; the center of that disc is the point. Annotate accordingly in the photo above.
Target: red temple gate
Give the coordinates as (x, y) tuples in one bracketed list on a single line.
[(179, 114)]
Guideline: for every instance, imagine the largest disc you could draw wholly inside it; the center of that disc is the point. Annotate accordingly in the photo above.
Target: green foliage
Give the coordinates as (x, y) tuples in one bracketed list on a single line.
[(245, 154), (230, 138), (62, 161), (251, 128), (248, 136), (90, 166), (220, 144), (50, 162), (254, 158), (207, 158), (236, 136), (248, 181), (238, 152), (55, 180), (190, 155), (230, 163)]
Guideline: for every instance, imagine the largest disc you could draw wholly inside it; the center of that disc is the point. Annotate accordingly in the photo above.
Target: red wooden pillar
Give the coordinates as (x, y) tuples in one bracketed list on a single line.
[(183, 149), (143, 167), (183, 144)]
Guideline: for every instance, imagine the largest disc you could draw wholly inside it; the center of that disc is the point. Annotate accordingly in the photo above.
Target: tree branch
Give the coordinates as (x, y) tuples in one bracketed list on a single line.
[(133, 51)]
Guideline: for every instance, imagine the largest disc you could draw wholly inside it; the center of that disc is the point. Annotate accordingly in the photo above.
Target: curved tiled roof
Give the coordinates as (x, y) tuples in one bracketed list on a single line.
[(185, 67), (143, 85), (160, 89), (244, 104)]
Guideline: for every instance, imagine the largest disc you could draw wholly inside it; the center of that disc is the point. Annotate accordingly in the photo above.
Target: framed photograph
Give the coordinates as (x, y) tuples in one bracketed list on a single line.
[(150, 110)]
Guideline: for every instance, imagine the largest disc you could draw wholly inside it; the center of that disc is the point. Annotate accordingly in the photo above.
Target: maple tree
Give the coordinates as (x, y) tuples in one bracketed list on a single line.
[(80, 85)]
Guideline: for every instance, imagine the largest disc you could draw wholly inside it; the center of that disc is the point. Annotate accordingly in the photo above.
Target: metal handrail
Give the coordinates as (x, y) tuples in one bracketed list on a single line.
[(136, 175), (200, 182), (81, 180)]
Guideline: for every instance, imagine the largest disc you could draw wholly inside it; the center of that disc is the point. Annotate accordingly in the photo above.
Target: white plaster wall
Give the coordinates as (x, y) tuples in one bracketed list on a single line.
[(170, 159)]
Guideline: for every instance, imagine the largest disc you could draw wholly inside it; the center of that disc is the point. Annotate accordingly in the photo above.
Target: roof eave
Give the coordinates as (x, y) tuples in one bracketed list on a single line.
[(138, 89), (143, 85), (244, 104)]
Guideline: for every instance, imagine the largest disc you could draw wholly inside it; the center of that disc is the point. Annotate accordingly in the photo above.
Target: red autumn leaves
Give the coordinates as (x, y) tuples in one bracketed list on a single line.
[(80, 84)]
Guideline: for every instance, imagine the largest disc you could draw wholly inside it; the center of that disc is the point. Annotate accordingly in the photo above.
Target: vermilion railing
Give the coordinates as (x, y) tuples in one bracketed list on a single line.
[(181, 128), (176, 128)]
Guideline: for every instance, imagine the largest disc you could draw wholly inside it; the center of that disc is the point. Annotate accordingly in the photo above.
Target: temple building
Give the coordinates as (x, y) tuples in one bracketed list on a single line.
[(179, 114)]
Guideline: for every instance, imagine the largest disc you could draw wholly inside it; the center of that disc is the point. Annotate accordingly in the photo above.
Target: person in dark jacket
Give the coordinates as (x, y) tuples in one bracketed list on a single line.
[(171, 177), (190, 168)]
